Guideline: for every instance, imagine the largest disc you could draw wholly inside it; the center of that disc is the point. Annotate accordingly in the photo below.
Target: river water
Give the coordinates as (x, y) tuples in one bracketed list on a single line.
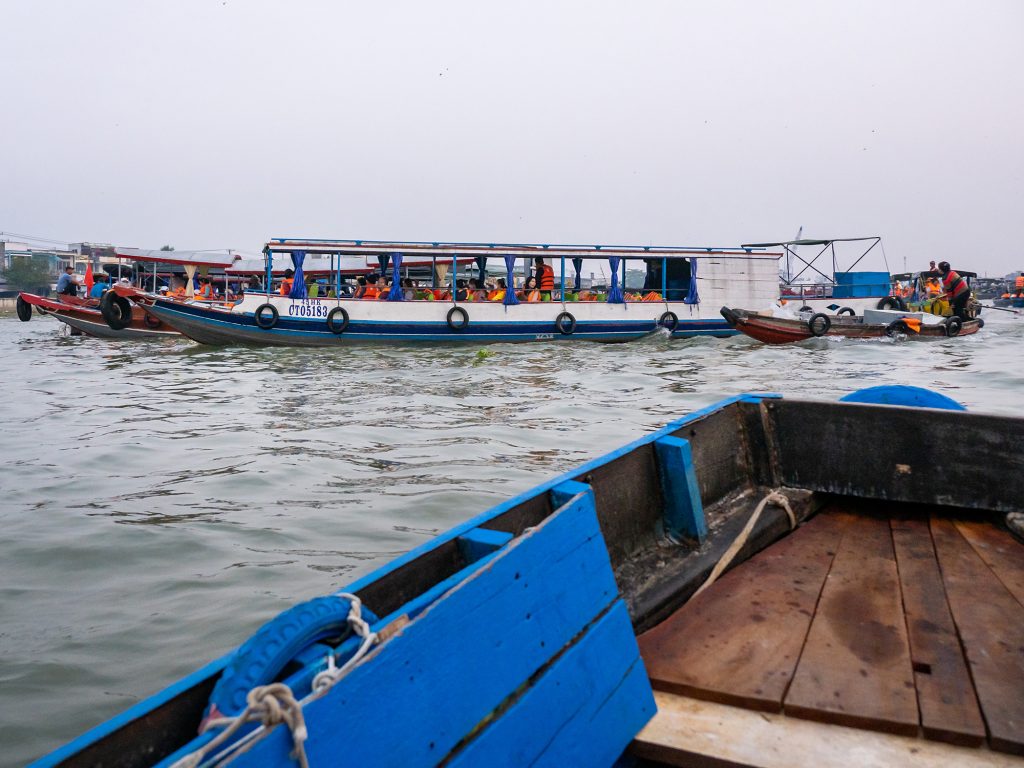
[(161, 500)]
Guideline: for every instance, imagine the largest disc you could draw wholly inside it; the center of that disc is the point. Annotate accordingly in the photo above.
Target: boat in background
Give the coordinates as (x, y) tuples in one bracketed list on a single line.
[(772, 328), (84, 316), (701, 277), (836, 290), (799, 586)]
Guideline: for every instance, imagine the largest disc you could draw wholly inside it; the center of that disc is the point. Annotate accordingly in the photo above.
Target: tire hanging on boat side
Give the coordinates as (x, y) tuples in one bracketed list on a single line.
[(332, 325), (819, 324), (264, 322), (846, 311), (116, 310), (953, 325), (24, 310), (457, 326), (669, 321), (565, 323)]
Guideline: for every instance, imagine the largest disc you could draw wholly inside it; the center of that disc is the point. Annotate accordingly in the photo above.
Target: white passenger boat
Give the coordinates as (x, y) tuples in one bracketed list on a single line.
[(685, 286)]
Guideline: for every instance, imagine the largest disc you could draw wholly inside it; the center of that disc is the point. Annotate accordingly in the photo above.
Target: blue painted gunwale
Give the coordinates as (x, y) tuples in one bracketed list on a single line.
[(217, 666)]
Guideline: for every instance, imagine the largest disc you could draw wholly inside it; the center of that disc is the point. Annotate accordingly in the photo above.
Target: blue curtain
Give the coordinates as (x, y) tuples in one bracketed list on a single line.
[(510, 292), (578, 266), (615, 292), (382, 260), (692, 297), (298, 290), (481, 264), (395, 294)]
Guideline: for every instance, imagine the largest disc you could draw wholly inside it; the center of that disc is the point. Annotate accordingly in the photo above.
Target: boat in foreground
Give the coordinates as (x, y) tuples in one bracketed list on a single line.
[(779, 329), (763, 582)]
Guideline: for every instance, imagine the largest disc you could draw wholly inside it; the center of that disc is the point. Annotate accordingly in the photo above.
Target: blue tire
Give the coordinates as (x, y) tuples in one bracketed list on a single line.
[(263, 657)]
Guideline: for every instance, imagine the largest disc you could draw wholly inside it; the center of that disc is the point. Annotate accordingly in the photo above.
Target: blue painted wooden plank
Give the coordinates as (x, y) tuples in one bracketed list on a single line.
[(684, 512), (584, 710), (480, 542), (428, 686)]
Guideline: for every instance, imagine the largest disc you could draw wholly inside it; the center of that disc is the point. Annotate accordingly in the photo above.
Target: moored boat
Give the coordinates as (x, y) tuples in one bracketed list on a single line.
[(691, 280), (772, 328), (774, 556)]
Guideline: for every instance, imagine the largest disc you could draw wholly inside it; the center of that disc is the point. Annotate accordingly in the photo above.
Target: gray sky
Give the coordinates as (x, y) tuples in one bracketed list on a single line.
[(210, 124)]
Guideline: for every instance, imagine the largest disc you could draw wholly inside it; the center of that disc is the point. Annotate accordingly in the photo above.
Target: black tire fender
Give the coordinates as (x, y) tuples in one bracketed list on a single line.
[(806, 308), (896, 327), (565, 323), (461, 325), (333, 325), (730, 317), (670, 321), (819, 324), (846, 311), (24, 310), (953, 325), (261, 318), (116, 310)]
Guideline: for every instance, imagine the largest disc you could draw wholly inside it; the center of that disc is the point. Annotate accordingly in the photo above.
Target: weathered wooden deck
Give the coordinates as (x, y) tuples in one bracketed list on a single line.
[(888, 619)]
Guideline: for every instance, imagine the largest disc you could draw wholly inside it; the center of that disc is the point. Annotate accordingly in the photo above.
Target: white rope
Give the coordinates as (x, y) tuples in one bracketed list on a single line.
[(275, 703), (774, 497), (360, 628), (266, 704)]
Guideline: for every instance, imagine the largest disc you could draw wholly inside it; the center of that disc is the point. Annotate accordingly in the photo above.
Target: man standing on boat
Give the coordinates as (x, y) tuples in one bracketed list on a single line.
[(956, 290), (545, 276)]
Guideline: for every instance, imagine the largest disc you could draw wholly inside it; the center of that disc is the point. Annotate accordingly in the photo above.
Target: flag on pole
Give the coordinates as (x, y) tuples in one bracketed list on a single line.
[(88, 277)]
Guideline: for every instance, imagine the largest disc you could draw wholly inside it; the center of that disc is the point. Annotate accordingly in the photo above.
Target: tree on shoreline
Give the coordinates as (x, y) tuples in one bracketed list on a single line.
[(28, 273)]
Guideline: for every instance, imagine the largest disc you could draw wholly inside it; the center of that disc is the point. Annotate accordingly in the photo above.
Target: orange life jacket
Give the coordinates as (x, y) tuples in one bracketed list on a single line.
[(533, 296), (206, 292), (1019, 284), (179, 292), (371, 292), (545, 278), (286, 286), (652, 296), (495, 295), (953, 284)]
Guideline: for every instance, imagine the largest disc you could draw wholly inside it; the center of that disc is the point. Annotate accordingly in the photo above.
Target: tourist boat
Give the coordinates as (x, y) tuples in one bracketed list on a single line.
[(115, 318), (775, 328), (747, 277), (828, 282), (1009, 302), (803, 582), (84, 316)]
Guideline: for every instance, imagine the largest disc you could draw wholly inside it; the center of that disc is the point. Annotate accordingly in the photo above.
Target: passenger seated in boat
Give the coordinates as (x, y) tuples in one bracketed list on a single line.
[(498, 294), (529, 292), (205, 292), (460, 290), (99, 287), (312, 289), (408, 289), (286, 284), (545, 277), (372, 290), (475, 291), (360, 289)]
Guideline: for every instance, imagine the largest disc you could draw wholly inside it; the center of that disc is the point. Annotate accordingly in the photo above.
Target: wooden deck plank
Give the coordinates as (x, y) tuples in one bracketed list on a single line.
[(855, 668), (945, 694), (991, 626), (689, 732), (1000, 551), (738, 642)]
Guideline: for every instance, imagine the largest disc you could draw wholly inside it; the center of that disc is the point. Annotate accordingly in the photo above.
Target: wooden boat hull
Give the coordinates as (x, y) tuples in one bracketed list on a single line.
[(784, 330), (83, 315), (525, 616)]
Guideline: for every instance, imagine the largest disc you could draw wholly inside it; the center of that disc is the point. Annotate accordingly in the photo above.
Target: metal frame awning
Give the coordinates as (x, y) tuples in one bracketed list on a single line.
[(827, 246)]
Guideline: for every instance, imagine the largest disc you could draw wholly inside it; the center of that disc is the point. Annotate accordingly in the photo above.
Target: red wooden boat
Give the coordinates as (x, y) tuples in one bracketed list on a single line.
[(85, 316), (785, 330)]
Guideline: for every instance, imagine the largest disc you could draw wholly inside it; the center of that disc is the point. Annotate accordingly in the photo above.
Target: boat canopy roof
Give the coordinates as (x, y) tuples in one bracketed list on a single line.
[(519, 250), (198, 258), (812, 242)]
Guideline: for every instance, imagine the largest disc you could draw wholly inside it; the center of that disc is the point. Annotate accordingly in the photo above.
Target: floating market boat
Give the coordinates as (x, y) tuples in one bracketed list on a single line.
[(772, 328), (84, 316), (828, 282), (680, 284), (798, 582)]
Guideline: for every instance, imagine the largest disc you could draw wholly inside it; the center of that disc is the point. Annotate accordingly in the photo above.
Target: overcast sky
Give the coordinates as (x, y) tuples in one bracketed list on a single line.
[(212, 124)]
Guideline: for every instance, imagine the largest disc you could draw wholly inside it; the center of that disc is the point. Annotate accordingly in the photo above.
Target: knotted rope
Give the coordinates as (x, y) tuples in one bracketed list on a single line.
[(774, 497), (266, 704)]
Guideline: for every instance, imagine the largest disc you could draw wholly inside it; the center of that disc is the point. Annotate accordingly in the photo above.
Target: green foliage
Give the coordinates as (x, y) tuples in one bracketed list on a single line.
[(28, 273)]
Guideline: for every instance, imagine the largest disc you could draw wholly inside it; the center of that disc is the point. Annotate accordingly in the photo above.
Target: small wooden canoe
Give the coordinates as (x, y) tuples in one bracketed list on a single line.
[(868, 609), (785, 330), (86, 316)]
